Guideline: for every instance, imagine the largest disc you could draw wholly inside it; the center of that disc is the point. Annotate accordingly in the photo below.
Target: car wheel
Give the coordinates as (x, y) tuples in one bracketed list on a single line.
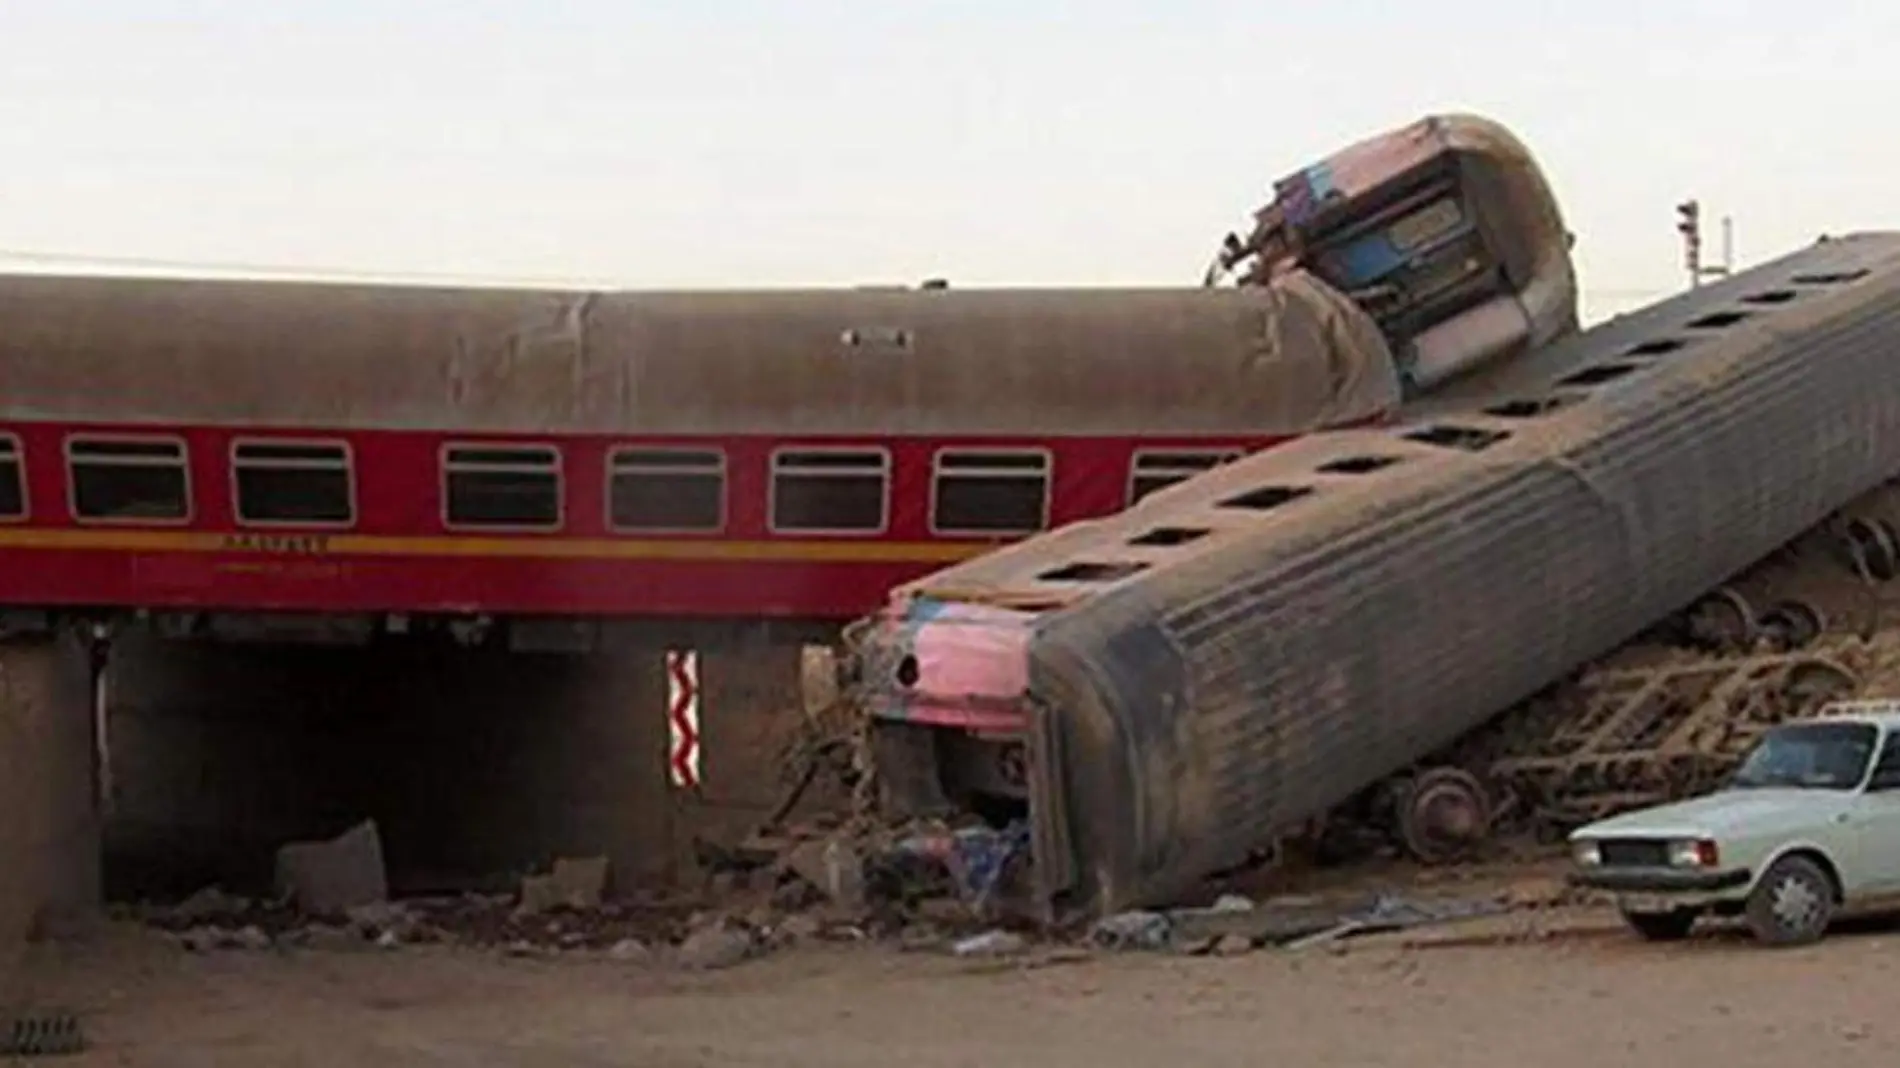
[(1792, 903), (1661, 926)]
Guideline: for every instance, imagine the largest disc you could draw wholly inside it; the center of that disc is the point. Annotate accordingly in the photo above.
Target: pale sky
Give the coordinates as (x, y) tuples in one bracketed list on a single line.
[(739, 142)]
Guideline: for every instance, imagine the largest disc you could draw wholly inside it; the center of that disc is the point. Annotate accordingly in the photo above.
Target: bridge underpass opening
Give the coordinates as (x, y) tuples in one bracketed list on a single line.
[(477, 764)]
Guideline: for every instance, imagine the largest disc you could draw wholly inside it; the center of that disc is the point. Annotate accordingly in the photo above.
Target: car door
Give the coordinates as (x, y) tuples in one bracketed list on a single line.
[(1876, 823)]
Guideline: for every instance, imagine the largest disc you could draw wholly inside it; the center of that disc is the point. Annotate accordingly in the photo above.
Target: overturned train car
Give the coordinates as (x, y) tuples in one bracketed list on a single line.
[(1164, 692)]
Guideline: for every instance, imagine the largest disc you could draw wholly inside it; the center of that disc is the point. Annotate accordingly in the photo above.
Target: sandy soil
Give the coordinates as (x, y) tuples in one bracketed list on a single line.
[(1558, 989)]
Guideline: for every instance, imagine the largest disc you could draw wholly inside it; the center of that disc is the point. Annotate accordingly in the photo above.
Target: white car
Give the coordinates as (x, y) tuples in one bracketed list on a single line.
[(1806, 829)]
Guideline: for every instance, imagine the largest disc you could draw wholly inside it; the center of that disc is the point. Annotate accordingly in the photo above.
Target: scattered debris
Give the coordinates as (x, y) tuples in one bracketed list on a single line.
[(578, 884), (330, 878), (385, 920), (1232, 903), (1132, 930), (977, 860), (210, 903), (715, 946), (1227, 929), (1233, 945), (630, 950), (208, 939), (833, 865), (990, 944)]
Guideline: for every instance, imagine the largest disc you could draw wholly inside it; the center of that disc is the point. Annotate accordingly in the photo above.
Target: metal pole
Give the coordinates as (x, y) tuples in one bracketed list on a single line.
[(1728, 244), (1689, 225)]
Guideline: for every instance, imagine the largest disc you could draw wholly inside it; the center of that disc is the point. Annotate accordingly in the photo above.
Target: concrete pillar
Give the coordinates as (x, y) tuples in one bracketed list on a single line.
[(49, 830)]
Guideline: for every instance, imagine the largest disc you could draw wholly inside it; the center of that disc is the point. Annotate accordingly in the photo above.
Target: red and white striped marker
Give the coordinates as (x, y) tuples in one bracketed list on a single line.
[(682, 718)]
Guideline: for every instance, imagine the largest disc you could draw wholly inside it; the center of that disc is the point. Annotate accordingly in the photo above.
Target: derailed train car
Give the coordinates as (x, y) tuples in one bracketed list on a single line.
[(1445, 230), (1166, 691)]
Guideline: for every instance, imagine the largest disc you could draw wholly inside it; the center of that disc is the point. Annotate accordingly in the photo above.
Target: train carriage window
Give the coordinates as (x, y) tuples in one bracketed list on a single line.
[(128, 480), (990, 491), (1155, 469), (672, 490), (12, 480), (502, 486), (303, 483), (830, 491)]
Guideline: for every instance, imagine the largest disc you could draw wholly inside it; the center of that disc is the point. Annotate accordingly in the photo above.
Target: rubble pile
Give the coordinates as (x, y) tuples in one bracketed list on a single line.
[(930, 888)]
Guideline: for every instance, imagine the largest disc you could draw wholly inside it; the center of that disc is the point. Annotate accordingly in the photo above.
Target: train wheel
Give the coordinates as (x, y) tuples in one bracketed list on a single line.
[(1809, 684), (1443, 815), (1871, 549), (1793, 624), (1722, 621)]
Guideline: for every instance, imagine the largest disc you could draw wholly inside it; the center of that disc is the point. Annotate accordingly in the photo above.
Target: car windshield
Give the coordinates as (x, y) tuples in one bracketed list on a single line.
[(1823, 756)]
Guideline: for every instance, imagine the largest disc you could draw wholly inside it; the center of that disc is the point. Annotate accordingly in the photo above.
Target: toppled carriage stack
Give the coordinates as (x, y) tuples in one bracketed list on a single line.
[(1165, 692)]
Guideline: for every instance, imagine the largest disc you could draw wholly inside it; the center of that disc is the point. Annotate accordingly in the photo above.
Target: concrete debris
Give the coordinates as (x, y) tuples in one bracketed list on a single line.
[(1233, 945), (1392, 913), (833, 865), (385, 919), (630, 951), (210, 939), (210, 903), (1132, 931), (1232, 903), (326, 938), (330, 878), (802, 927), (990, 944), (578, 884), (1227, 928), (922, 938), (714, 946)]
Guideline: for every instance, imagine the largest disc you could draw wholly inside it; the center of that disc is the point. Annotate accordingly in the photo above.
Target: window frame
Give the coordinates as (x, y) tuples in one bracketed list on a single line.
[(1889, 744), (1046, 472), (18, 447), (111, 437), (349, 481), (1135, 458), (886, 477), (445, 467), (723, 470)]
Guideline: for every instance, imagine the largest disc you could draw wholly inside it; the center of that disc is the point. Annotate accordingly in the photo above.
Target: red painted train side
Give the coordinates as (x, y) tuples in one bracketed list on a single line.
[(133, 411), (398, 551)]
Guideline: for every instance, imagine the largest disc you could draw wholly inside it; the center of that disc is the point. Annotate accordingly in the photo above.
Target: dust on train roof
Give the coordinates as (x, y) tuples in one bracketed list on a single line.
[(1332, 485)]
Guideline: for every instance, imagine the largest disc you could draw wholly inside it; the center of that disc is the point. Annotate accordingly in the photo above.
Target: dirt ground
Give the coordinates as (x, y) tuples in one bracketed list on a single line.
[(1556, 988)]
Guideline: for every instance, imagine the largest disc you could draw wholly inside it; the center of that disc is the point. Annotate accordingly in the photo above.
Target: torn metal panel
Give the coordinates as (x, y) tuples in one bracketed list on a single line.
[(1445, 230)]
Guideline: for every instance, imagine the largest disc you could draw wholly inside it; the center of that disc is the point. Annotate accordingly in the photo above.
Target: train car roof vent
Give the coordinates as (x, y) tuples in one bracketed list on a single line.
[(1266, 497), (1358, 465), (1093, 571), (1530, 407), (1657, 346), (1167, 537), (1597, 375), (1718, 320), (1829, 278), (1771, 296), (1450, 436)]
